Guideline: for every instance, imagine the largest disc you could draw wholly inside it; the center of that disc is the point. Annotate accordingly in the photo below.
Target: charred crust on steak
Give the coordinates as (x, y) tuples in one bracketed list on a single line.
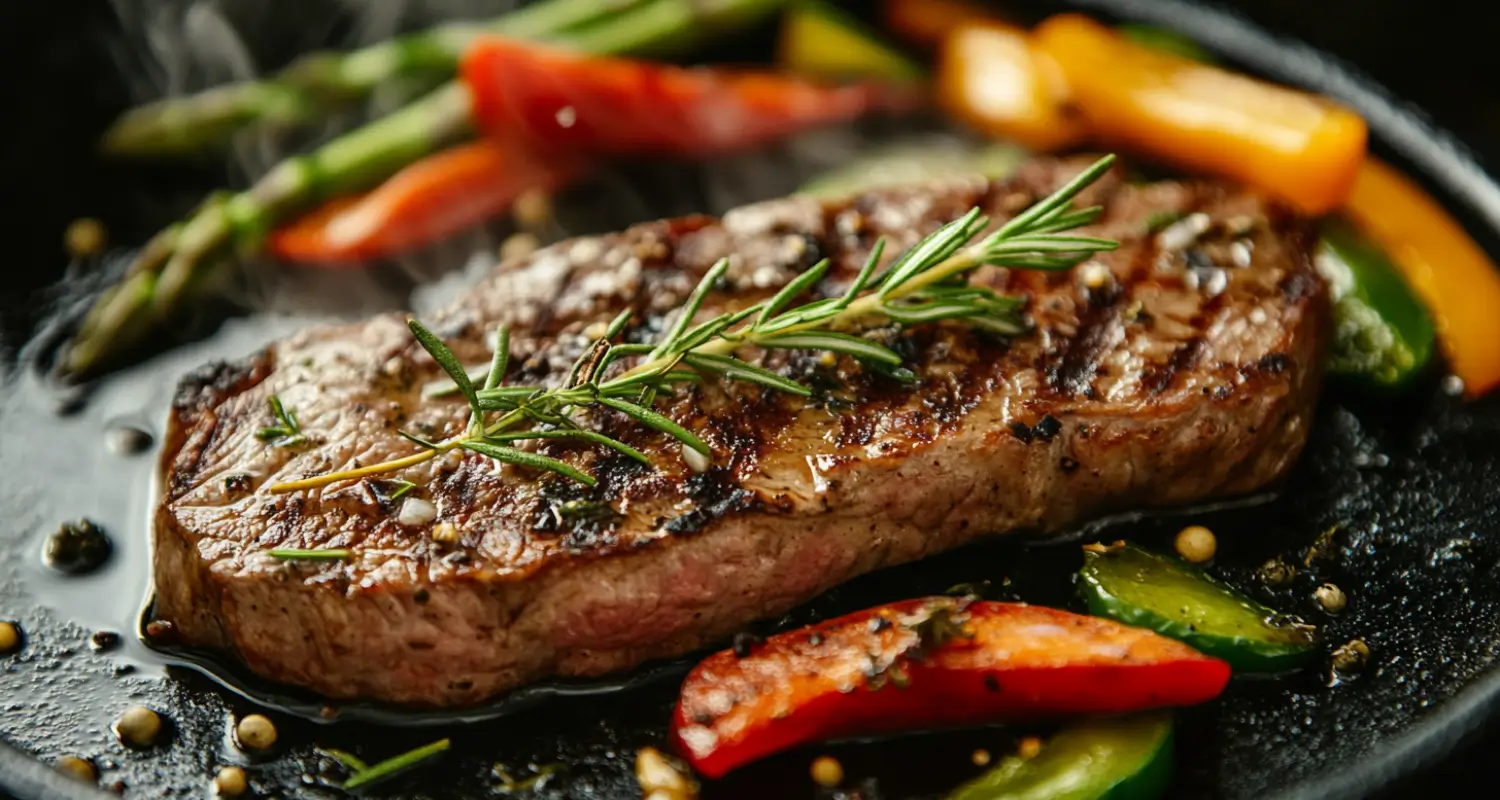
[(1021, 431), (1272, 364), (1047, 428), (208, 385), (1158, 378), (716, 494), (1073, 374)]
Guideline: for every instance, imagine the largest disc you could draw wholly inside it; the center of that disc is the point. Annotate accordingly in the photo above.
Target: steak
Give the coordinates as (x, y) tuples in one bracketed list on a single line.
[(1181, 367)]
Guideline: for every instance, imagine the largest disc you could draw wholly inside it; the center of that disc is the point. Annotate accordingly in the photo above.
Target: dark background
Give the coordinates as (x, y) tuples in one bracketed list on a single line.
[(59, 85)]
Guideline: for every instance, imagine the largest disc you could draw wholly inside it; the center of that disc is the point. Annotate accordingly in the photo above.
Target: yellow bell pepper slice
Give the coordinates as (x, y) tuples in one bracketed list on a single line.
[(819, 39), (1454, 277), (1302, 148), (991, 77)]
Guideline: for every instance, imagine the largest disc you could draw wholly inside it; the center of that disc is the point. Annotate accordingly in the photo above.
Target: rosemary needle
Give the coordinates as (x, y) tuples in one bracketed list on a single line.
[(286, 432), (921, 286), (362, 773), (401, 488)]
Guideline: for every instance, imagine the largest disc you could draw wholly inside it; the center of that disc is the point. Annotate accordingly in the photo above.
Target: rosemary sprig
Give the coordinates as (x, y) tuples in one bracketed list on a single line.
[(362, 773), (286, 432), (294, 554), (924, 285), (401, 488)]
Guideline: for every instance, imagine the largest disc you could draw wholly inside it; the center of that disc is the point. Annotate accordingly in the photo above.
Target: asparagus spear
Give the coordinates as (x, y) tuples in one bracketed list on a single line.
[(188, 256), (316, 82)]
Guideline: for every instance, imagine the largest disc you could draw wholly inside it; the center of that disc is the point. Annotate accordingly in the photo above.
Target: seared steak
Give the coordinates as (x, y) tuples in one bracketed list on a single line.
[(1181, 367)]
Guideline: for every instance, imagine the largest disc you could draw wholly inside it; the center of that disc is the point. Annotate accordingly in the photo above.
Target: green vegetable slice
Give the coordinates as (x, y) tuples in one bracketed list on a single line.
[(818, 39), (1383, 335), (913, 162), (1166, 41), (1121, 759), (1130, 585)]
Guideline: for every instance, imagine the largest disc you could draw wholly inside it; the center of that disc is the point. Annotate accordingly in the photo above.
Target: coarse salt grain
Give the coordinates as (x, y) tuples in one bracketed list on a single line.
[(1094, 274), (696, 461), (1183, 232), (416, 511)]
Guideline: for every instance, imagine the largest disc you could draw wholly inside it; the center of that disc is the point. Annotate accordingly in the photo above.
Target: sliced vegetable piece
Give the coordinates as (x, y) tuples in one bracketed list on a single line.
[(1300, 147), (1128, 584), (991, 77), (911, 162), (1119, 759), (1382, 332), (433, 198), (928, 663), (553, 100), (1165, 40), (925, 22), (818, 39), (1448, 270)]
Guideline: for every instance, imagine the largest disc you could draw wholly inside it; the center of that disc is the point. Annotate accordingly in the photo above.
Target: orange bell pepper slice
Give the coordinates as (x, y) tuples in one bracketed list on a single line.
[(926, 22), (991, 77), (1302, 148), (1453, 276), (425, 202)]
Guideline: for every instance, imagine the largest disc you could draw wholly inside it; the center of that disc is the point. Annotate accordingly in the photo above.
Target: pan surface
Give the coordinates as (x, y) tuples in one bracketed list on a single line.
[(1396, 491)]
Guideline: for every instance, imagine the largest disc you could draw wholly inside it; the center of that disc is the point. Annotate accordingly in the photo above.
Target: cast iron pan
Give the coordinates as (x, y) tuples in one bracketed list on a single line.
[(1403, 484)]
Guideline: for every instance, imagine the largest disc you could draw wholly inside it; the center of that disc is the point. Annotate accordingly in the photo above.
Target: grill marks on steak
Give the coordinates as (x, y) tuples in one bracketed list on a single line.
[(1153, 377)]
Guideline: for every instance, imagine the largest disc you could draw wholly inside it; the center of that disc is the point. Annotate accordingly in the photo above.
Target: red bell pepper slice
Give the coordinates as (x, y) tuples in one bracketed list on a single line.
[(432, 198), (924, 664), (555, 100)]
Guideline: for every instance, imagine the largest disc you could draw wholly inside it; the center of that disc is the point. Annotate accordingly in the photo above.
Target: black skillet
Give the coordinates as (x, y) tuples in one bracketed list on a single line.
[(1407, 481)]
